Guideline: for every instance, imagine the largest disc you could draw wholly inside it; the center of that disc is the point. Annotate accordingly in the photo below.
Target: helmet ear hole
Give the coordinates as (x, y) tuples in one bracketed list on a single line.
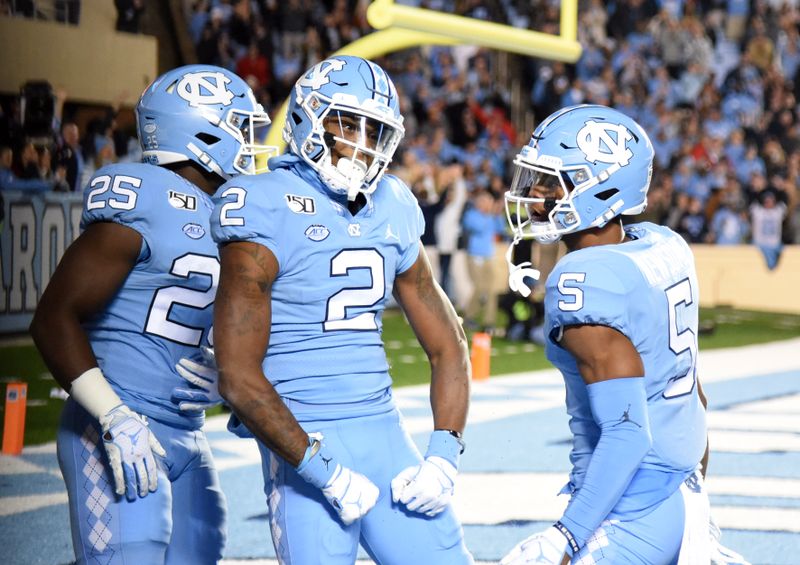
[(606, 194), (207, 138)]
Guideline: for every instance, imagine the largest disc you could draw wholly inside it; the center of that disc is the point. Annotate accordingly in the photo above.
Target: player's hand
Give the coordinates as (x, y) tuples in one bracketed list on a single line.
[(721, 555), (130, 446), (426, 488), (203, 377), (548, 547), (351, 494)]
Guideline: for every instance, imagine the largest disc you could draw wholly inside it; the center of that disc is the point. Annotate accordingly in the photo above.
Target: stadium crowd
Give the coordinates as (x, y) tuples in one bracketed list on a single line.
[(714, 82)]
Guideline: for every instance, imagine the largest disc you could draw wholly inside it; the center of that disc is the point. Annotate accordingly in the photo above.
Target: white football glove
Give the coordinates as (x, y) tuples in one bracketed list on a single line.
[(425, 488), (130, 446), (204, 393), (721, 555), (547, 547), (351, 494)]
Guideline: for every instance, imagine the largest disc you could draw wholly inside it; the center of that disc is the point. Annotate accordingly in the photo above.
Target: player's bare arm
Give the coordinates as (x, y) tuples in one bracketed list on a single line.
[(242, 321), (77, 291), (602, 353), (436, 326)]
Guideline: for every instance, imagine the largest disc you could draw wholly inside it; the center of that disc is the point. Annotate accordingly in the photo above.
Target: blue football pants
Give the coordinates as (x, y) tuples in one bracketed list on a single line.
[(182, 523), (307, 531), (675, 531)]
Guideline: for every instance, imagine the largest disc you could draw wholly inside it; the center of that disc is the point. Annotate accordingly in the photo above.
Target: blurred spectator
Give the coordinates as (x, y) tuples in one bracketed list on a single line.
[(129, 14), (9, 181), (767, 214), (760, 47), (70, 156), (254, 65), (737, 11), (29, 162), (294, 18), (448, 222), (729, 223), (692, 224), (56, 176), (483, 224), (423, 187)]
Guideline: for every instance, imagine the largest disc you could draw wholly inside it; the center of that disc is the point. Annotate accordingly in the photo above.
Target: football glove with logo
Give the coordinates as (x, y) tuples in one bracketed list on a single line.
[(130, 446), (128, 441)]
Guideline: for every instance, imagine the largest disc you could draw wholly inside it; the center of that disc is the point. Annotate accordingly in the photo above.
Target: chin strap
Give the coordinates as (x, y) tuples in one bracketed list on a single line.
[(517, 273)]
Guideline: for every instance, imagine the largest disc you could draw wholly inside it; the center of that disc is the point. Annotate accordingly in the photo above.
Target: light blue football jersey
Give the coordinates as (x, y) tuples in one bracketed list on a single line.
[(646, 289), (336, 272), (163, 311)]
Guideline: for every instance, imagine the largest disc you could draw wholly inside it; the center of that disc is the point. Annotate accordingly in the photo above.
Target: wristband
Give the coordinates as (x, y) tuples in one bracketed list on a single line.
[(92, 391), (317, 466), (446, 444), (572, 545)]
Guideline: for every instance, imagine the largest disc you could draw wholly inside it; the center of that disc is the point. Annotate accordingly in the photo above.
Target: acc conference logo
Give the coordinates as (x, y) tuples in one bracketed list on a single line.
[(194, 231), (317, 232), (205, 88)]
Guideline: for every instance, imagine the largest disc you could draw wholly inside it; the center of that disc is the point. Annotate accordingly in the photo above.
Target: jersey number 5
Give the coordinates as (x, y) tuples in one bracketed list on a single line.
[(681, 342)]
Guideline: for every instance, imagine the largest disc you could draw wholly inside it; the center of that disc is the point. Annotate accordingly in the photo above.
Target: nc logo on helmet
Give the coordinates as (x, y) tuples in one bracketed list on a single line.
[(318, 76), (606, 143), (205, 88)]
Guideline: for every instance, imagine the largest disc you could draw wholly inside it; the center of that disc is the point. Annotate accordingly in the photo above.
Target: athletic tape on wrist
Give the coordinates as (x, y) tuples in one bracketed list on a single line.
[(92, 391)]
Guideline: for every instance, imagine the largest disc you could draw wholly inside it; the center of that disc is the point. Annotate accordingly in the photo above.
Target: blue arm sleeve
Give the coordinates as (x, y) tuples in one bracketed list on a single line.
[(585, 434), (620, 409)]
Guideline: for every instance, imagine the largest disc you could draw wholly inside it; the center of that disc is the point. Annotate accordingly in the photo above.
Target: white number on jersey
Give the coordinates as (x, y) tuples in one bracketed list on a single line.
[(350, 297), (158, 322), (122, 185), (681, 341), (575, 293), (228, 207)]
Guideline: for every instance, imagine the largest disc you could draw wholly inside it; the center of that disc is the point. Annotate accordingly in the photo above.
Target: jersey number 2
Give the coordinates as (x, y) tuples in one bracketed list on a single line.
[(158, 322), (681, 341), (356, 296)]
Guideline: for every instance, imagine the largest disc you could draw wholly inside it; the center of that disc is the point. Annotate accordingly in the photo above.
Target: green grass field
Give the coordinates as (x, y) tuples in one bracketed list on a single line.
[(409, 365)]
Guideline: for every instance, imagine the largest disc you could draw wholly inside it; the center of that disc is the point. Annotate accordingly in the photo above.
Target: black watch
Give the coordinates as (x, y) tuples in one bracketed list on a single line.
[(458, 437)]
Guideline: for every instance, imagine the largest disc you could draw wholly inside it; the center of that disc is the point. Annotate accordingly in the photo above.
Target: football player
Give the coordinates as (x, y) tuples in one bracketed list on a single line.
[(621, 315), (310, 254), (122, 320)]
